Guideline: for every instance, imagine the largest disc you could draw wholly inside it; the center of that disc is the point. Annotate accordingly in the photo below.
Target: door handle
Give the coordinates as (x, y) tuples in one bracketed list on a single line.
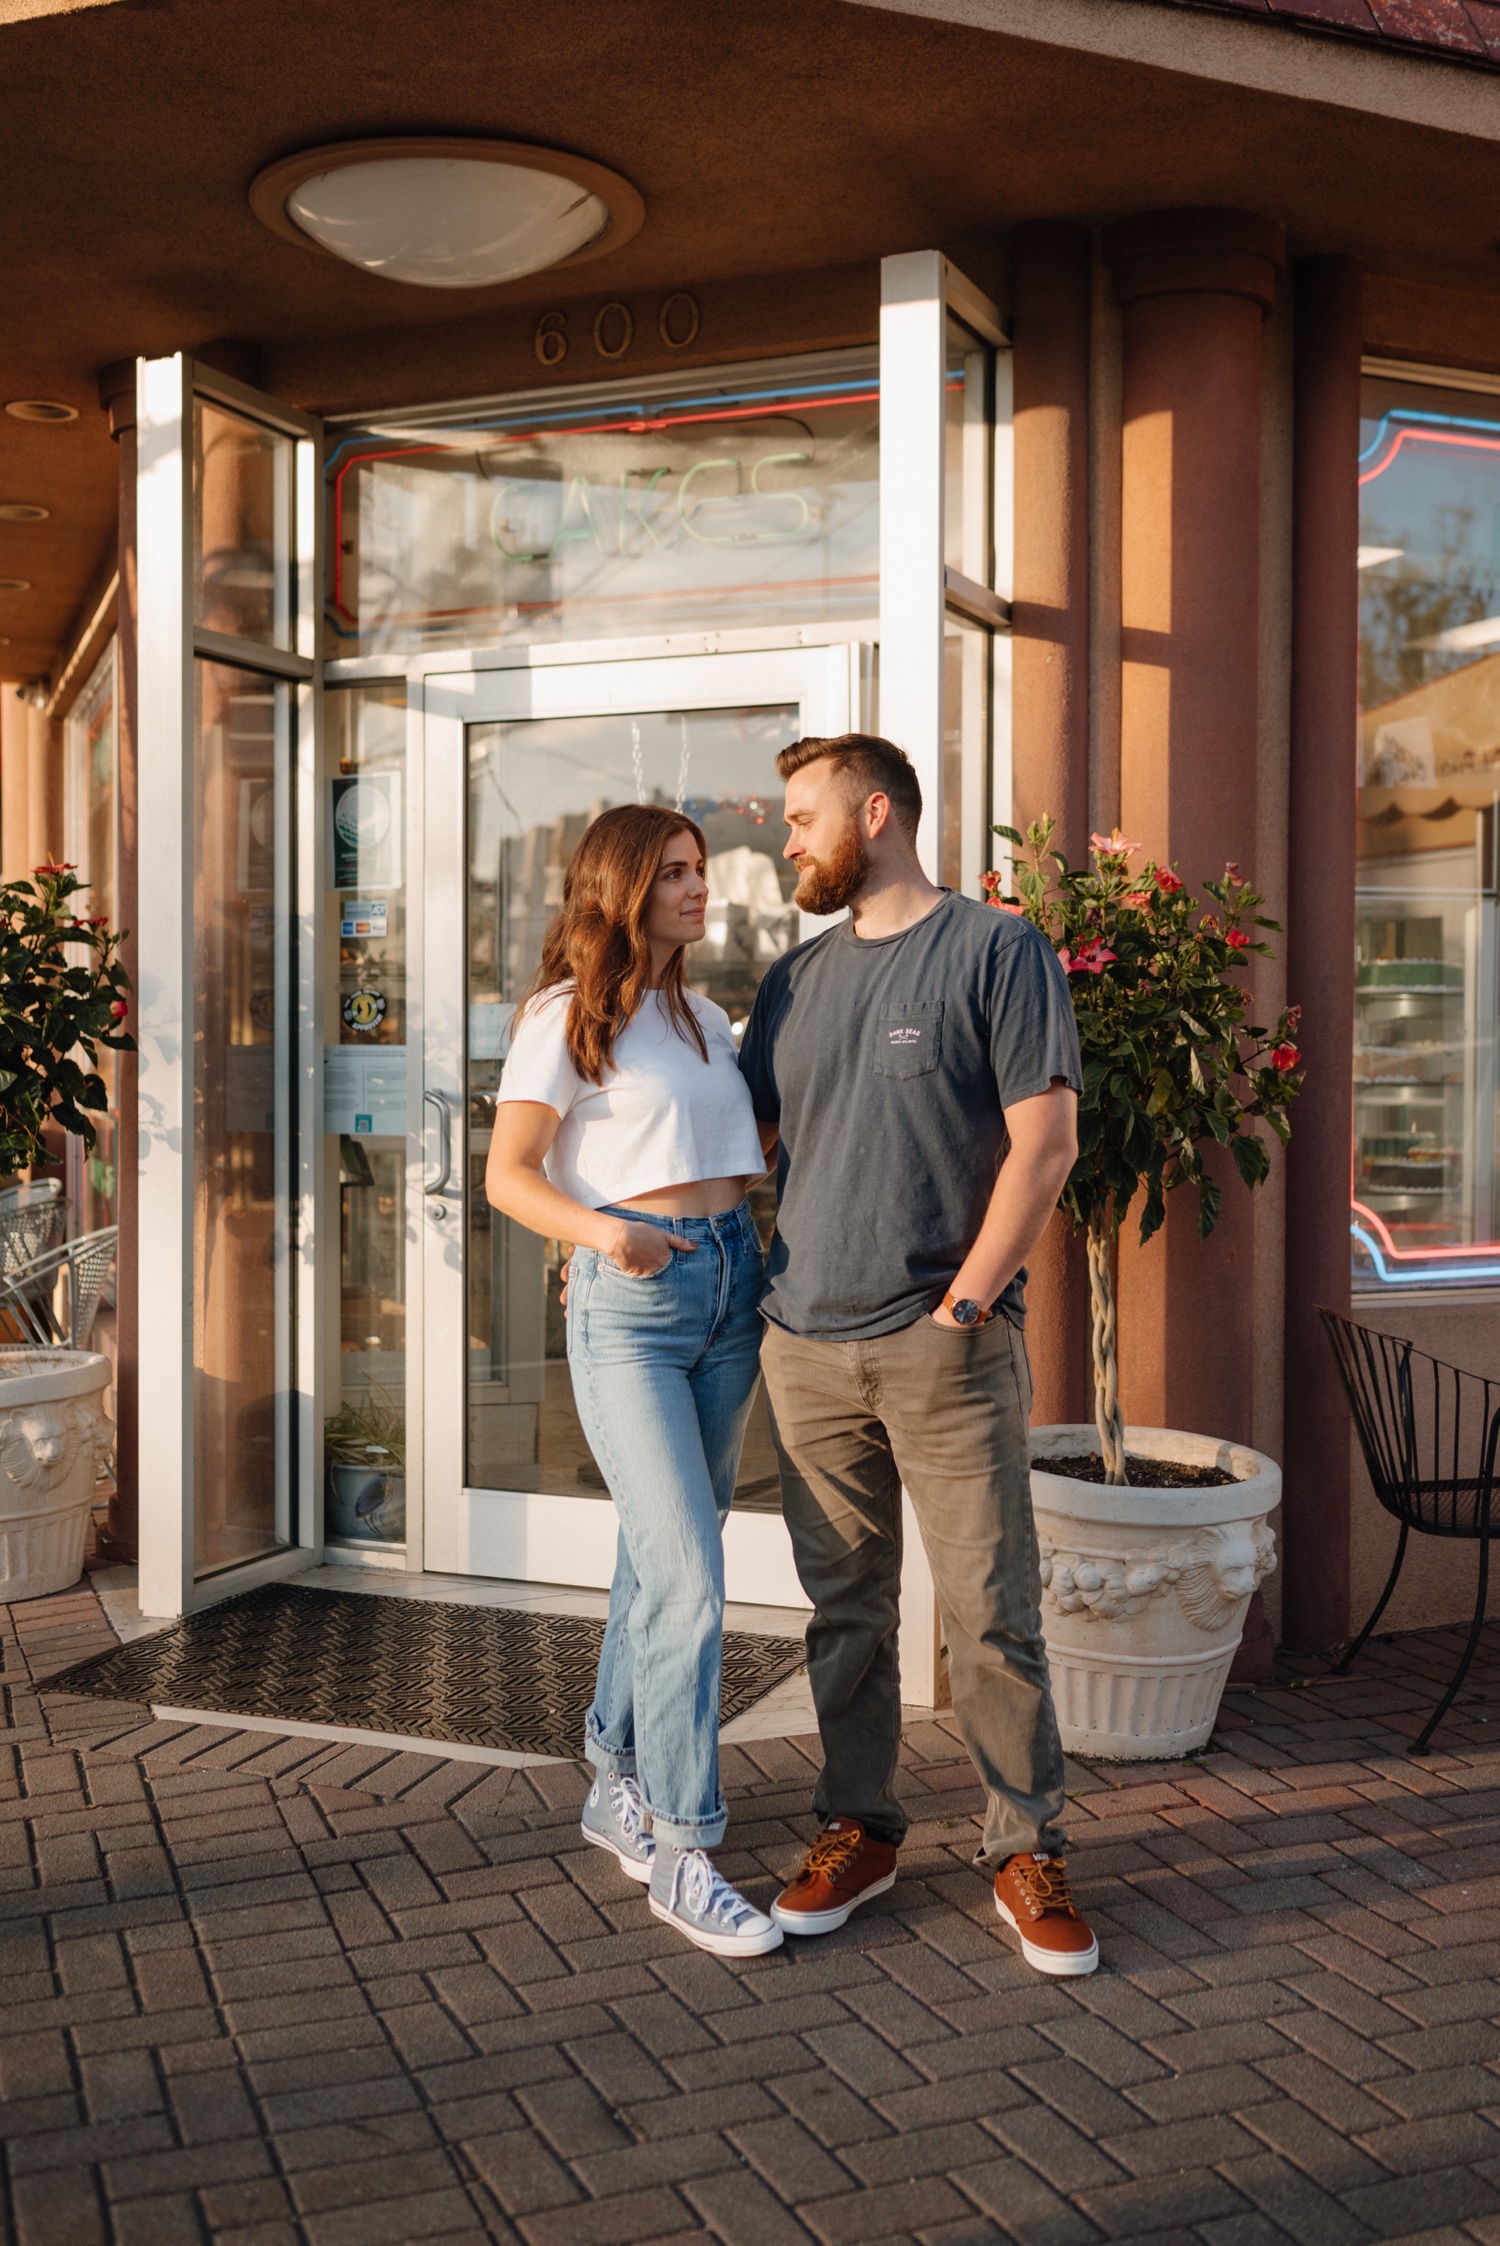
[(439, 1100)]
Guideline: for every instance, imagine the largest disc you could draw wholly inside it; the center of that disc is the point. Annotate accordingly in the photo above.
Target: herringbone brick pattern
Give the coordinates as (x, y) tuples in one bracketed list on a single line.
[(270, 1991)]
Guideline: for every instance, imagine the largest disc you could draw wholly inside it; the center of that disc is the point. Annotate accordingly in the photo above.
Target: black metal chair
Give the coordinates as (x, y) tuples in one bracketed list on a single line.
[(1429, 1434)]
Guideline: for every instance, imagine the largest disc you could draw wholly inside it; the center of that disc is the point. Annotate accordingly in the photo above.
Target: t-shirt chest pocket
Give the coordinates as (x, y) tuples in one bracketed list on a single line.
[(909, 1039)]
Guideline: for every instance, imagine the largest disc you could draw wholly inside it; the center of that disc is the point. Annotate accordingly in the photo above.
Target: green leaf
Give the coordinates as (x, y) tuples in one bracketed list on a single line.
[(1252, 1158)]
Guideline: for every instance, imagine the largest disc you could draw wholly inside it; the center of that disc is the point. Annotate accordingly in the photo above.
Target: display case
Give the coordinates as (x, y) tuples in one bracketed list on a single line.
[(1424, 1045)]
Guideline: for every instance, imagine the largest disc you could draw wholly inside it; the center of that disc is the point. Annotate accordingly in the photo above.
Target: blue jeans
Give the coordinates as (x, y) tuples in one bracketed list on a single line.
[(664, 1370)]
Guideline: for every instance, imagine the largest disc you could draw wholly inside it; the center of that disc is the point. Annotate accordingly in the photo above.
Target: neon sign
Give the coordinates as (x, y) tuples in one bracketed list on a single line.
[(566, 498)]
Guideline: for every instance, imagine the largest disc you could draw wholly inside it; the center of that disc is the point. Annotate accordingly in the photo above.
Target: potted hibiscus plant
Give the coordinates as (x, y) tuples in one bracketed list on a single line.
[(62, 997), (1153, 1539)]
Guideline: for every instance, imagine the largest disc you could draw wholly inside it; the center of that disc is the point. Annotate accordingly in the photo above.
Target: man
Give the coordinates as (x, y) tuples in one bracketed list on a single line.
[(918, 1066)]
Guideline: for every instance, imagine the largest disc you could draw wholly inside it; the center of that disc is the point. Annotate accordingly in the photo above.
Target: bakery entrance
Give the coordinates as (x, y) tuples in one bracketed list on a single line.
[(516, 763)]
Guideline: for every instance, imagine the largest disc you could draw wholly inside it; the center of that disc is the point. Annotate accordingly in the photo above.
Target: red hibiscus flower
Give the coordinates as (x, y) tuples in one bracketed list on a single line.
[(1285, 1057), (990, 882), (1236, 937), (1091, 958), (119, 1009), (1167, 881), (1007, 904), (1137, 900)]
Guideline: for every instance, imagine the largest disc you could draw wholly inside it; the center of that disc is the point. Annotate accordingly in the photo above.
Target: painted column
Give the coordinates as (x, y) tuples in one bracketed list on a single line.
[(1194, 286), (1051, 283), (1320, 936), (15, 786), (44, 790), (117, 1534)]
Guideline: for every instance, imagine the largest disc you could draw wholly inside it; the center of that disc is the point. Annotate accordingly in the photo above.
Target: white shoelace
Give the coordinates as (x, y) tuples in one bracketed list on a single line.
[(704, 1889), (629, 1810)]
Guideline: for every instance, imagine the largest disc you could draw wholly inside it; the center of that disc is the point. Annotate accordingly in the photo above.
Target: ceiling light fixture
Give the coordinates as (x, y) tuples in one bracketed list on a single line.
[(22, 511), (40, 409), (447, 214)]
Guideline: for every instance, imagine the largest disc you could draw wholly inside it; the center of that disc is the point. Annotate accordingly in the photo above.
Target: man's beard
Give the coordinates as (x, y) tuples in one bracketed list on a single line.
[(826, 885)]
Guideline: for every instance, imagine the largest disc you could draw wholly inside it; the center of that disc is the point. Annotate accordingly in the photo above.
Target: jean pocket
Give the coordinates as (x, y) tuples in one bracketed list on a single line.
[(909, 1039), (637, 1278)]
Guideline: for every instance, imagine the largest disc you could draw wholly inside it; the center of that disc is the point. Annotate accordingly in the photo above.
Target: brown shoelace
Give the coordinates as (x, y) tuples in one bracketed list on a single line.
[(1046, 1884), (829, 1853)]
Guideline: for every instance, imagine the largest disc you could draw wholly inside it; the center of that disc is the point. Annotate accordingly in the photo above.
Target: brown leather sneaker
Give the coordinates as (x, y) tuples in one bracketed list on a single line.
[(1031, 1895), (840, 1871)]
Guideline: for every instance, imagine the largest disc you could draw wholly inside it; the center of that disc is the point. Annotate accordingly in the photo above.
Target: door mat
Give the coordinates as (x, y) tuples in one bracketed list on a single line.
[(473, 1676)]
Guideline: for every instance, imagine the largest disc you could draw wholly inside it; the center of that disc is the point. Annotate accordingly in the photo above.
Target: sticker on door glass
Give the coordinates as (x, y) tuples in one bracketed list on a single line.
[(363, 1010), (364, 831), (364, 916)]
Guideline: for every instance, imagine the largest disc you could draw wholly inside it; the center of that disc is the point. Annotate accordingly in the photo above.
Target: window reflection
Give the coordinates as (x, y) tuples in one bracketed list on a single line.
[(242, 509), (241, 1116), (738, 499), (364, 1120)]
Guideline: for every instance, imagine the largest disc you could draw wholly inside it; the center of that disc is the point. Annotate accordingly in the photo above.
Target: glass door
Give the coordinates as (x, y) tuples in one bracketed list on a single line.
[(517, 762), (227, 685)]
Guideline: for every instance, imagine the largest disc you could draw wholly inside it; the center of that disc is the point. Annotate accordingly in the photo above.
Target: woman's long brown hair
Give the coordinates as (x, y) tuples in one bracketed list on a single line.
[(598, 941)]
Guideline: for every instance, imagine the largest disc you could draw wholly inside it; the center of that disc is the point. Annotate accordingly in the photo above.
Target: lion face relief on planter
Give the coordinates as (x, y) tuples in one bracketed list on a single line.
[(55, 1441), (1152, 1541)]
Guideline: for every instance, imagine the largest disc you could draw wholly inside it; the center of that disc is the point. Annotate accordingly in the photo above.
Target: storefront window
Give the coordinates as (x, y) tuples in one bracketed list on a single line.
[(242, 1115), (364, 1111), (242, 511), (1427, 975), (968, 423), (967, 666), (91, 809), (737, 498)]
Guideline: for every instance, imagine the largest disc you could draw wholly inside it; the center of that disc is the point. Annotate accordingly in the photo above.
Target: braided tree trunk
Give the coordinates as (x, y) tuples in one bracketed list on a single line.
[(1106, 1368)]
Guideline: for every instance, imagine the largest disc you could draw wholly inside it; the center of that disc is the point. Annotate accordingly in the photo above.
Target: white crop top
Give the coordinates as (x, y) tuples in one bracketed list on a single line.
[(660, 1117)]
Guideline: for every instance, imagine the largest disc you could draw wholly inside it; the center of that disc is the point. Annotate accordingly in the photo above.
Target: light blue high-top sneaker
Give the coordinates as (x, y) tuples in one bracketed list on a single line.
[(615, 1817), (688, 1893)]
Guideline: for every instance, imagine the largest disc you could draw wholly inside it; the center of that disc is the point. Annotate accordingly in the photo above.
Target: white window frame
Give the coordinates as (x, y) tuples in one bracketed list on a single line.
[(919, 591), (919, 292)]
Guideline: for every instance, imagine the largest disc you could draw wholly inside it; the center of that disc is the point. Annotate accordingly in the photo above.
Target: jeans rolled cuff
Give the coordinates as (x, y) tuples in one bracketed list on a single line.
[(991, 1856), (690, 1832), (607, 1758)]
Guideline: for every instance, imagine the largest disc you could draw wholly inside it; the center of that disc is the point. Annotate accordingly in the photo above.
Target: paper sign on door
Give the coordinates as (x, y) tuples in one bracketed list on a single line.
[(364, 1090)]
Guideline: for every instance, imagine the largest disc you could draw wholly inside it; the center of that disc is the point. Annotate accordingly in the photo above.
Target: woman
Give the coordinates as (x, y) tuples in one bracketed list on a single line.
[(623, 1124)]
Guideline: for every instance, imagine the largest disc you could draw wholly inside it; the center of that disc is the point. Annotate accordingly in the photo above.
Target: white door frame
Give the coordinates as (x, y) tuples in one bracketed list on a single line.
[(526, 1535), (168, 645)]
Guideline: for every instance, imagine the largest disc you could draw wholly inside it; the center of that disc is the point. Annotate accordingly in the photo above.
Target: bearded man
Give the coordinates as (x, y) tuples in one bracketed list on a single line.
[(917, 1068)]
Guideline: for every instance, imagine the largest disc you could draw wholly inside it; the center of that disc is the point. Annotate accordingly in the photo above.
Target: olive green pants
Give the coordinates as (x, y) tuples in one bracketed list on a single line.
[(944, 1413)]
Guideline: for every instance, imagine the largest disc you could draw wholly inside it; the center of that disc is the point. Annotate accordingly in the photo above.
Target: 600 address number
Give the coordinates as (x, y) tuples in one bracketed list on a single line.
[(613, 331)]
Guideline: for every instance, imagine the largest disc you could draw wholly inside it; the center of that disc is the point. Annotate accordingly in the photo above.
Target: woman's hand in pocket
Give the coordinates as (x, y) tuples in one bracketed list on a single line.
[(641, 1250)]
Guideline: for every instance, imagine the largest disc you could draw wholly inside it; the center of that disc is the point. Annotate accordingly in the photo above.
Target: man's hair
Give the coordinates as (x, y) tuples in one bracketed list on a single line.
[(868, 765)]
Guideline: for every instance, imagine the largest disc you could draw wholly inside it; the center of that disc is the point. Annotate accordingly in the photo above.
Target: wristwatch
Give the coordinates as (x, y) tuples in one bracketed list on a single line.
[(964, 1312)]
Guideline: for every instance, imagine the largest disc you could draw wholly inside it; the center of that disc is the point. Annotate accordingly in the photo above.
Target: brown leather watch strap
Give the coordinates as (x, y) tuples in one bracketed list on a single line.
[(983, 1319)]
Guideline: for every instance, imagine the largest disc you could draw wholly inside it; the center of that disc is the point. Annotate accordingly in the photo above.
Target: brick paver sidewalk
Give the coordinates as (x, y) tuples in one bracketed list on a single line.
[(264, 1991)]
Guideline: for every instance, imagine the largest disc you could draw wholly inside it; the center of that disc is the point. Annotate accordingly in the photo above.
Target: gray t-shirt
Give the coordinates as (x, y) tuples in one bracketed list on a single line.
[(888, 1064)]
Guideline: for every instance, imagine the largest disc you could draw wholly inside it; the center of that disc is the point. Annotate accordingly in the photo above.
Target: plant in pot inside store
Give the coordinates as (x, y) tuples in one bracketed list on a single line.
[(1152, 1540), (364, 1451), (62, 997)]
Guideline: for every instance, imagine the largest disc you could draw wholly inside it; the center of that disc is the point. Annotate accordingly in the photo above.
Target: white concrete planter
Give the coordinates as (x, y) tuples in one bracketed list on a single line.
[(54, 1438), (1144, 1591)]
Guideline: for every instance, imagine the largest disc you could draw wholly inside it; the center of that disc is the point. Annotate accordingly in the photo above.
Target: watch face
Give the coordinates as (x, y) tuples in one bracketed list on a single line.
[(967, 1313)]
